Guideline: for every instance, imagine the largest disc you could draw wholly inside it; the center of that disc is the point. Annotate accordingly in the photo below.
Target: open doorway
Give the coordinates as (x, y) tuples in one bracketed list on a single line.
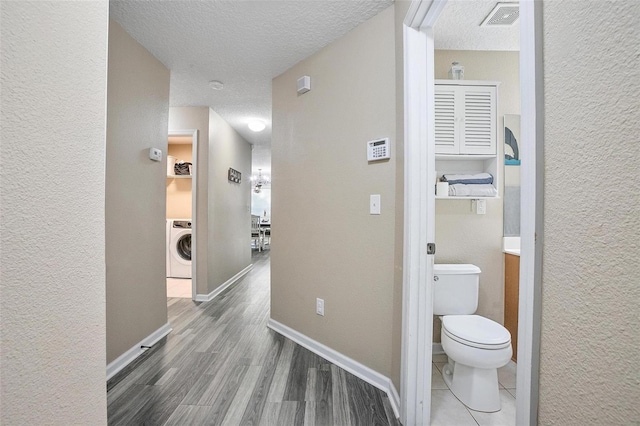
[(420, 219), (476, 71), (181, 184)]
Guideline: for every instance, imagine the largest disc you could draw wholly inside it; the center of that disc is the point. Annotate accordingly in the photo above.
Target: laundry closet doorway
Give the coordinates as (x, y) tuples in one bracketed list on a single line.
[(181, 187)]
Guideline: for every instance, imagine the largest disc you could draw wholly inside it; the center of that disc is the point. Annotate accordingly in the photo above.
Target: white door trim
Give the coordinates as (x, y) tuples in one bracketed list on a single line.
[(419, 203), (531, 212), (419, 220), (194, 202)]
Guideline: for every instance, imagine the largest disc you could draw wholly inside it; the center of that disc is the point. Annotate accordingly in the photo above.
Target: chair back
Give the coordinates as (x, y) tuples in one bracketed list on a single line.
[(255, 223)]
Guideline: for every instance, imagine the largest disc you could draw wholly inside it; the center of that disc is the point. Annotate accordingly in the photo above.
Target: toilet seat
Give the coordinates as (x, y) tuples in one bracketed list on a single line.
[(476, 331)]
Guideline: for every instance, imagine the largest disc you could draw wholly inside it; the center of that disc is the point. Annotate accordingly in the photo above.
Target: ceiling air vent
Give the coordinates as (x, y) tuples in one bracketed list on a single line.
[(503, 15)]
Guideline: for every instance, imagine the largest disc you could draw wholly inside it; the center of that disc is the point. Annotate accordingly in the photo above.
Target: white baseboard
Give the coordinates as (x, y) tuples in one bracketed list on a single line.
[(354, 367), (123, 360), (209, 297), (436, 348)]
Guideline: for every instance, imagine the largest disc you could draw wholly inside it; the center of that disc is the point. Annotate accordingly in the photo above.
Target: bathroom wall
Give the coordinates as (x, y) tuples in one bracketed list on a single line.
[(197, 118), (137, 119), (511, 203), (462, 236), (320, 196), (52, 290), (179, 199), (590, 271)]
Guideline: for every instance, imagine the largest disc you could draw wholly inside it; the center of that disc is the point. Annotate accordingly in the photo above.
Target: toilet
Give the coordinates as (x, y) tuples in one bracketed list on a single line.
[(475, 346)]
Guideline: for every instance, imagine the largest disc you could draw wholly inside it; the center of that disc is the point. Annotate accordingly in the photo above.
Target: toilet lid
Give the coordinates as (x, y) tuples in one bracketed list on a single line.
[(476, 330)]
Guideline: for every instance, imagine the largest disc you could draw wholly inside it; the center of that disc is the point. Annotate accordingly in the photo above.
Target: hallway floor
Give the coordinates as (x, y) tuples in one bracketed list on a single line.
[(222, 365)]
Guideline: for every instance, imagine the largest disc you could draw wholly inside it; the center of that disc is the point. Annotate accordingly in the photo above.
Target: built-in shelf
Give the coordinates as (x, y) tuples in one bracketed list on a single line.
[(466, 131), (457, 157), (446, 82), (179, 176), (468, 164), (467, 198)]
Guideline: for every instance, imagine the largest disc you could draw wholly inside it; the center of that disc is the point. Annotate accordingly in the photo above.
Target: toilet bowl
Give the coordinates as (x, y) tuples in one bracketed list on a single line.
[(475, 346)]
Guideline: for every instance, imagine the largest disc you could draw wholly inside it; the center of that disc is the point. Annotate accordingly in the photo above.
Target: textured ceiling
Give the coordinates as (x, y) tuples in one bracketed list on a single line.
[(458, 28), (244, 44)]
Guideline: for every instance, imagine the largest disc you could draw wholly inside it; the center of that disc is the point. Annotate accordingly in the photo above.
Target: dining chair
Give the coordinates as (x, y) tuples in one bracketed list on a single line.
[(257, 236)]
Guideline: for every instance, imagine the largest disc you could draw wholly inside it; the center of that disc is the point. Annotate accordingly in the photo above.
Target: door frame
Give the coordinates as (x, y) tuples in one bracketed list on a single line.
[(419, 219), (193, 133)]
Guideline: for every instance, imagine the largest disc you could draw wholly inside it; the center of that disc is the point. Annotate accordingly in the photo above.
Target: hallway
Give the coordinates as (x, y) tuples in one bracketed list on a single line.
[(222, 365)]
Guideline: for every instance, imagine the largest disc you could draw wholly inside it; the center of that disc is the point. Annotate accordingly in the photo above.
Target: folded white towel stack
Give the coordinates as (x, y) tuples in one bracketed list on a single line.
[(461, 190)]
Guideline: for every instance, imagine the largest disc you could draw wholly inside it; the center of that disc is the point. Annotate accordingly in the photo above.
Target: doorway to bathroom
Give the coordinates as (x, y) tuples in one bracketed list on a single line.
[(181, 184), (420, 210)]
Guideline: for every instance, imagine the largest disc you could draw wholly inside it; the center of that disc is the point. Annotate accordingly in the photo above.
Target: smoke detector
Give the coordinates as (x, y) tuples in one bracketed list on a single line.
[(503, 15)]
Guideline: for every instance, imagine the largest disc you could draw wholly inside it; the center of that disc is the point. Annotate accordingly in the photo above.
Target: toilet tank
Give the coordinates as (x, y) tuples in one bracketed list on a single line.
[(455, 289)]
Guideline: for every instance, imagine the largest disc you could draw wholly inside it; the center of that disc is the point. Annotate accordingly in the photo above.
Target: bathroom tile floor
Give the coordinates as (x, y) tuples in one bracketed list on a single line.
[(179, 287), (446, 410)]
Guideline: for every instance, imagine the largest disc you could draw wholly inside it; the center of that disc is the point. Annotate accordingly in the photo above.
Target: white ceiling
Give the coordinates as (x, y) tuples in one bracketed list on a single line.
[(458, 28), (244, 44)]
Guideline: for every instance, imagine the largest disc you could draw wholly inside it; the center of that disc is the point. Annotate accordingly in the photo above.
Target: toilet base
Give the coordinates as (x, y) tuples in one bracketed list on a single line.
[(477, 388)]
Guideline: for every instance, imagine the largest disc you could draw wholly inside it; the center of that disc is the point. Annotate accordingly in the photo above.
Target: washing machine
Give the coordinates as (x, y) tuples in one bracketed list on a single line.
[(179, 248)]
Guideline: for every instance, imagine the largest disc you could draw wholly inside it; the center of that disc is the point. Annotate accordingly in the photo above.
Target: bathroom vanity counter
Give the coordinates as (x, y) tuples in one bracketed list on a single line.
[(511, 245)]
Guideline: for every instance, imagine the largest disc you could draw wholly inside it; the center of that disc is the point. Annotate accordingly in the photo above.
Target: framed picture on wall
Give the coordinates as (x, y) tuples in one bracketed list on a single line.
[(234, 176)]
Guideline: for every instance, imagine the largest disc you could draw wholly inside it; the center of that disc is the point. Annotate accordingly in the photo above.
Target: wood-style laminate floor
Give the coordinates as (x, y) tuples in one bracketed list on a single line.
[(221, 365)]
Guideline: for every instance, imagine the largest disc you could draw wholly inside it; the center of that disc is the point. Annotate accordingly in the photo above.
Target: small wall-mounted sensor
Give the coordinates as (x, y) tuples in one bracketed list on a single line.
[(155, 154), (304, 84)]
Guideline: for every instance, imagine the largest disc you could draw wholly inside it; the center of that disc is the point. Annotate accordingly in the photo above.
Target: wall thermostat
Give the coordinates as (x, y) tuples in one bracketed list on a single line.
[(155, 154), (378, 149)]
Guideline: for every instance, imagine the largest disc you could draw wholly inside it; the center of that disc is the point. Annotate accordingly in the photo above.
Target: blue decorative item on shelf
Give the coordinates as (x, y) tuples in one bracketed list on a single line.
[(511, 142)]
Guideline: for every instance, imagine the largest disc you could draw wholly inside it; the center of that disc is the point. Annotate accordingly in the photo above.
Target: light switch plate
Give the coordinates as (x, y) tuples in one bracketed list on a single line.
[(374, 204)]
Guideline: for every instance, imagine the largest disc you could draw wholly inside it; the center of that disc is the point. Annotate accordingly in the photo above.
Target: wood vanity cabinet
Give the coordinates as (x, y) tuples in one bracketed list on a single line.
[(511, 298)]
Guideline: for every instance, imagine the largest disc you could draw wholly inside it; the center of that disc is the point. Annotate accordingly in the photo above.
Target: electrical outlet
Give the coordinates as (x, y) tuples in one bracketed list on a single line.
[(320, 307), (481, 207)]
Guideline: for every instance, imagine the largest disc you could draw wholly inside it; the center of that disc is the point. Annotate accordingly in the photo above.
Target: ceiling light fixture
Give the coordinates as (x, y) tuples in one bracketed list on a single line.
[(257, 125), (216, 85), (259, 181)]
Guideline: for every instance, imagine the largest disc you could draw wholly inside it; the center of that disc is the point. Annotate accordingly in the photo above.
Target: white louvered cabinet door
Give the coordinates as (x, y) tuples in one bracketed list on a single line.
[(478, 133), (465, 119), (447, 120)]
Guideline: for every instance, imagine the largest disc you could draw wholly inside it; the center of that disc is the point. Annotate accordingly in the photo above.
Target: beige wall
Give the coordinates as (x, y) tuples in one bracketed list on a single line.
[(325, 244), (137, 119), (52, 120), (229, 203), (590, 289), (197, 118), (462, 236), (179, 200)]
